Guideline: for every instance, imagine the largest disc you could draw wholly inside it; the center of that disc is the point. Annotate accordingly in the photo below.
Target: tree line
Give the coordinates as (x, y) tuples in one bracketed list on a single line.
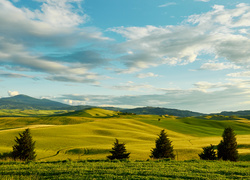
[(24, 148)]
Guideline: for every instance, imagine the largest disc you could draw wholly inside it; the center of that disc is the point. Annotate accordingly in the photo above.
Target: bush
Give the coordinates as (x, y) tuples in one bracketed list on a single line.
[(227, 148), (24, 147), (208, 153), (118, 151), (164, 148)]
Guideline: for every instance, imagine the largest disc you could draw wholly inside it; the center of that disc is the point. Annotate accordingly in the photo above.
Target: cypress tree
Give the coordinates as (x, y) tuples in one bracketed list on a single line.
[(164, 148), (24, 149), (118, 151), (227, 148)]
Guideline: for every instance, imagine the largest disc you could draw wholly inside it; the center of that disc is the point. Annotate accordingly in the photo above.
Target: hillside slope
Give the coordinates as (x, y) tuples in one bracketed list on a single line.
[(92, 112), (82, 137)]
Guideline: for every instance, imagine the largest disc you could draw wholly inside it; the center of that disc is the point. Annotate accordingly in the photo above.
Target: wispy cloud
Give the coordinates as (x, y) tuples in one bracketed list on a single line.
[(203, 0), (167, 4), (146, 75), (216, 66), (205, 97), (240, 74), (215, 33), (54, 28)]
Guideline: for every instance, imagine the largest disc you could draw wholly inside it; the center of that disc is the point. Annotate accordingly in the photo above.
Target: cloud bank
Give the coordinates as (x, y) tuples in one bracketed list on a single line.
[(221, 33), (47, 41)]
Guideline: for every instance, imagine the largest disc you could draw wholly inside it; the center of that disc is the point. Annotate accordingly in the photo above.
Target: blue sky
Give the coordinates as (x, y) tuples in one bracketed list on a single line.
[(184, 54)]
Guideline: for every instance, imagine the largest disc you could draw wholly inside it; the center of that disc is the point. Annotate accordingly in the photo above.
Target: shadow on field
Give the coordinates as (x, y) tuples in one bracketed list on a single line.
[(79, 151)]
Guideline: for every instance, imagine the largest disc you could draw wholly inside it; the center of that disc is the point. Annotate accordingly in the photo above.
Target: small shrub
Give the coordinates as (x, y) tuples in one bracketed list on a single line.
[(164, 148), (6, 155), (208, 153), (118, 151)]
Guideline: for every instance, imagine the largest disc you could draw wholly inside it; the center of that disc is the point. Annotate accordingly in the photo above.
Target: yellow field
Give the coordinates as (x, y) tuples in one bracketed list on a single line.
[(94, 137)]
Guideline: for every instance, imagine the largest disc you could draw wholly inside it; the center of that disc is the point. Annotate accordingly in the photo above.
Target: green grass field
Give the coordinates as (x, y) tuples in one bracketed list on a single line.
[(28, 112), (125, 170), (90, 134)]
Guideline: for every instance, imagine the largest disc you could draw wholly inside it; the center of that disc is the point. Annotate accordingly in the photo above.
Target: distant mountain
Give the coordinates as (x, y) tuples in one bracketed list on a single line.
[(162, 111), (27, 102), (235, 113)]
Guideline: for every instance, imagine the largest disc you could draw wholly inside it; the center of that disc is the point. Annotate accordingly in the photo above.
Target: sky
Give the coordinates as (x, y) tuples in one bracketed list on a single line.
[(183, 54)]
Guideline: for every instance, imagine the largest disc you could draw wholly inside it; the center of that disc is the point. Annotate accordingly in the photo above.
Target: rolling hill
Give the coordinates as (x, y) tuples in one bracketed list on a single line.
[(89, 134), (91, 112), (162, 111)]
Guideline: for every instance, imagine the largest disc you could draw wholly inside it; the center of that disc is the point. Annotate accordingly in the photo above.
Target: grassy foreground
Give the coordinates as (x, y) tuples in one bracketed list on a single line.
[(125, 170)]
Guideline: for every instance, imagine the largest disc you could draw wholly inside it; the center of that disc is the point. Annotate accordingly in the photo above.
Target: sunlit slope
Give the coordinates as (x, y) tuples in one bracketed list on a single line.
[(93, 136), (29, 112), (197, 127), (92, 112)]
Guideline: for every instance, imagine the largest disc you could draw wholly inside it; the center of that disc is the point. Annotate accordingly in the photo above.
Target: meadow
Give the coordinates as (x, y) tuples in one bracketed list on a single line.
[(90, 134), (194, 169)]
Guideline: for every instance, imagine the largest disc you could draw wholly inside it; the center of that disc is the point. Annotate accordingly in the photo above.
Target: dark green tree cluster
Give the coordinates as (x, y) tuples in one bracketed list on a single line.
[(24, 149), (226, 149)]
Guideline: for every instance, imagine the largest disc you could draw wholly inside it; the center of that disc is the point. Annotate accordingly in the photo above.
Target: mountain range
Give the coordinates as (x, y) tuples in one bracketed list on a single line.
[(27, 102)]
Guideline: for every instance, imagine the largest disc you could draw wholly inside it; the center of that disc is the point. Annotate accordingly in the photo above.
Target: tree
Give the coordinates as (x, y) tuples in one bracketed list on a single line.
[(24, 147), (208, 153), (227, 148), (118, 151), (163, 148)]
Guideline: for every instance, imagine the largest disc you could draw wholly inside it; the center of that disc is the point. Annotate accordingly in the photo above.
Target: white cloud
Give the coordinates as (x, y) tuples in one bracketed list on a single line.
[(13, 93), (55, 27), (217, 97), (215, 33), (203, 0), (215, 66), (240, 74), (74, 102), (59, 13), (145, 75), (206, 86), (167, 4), (131, 86)]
